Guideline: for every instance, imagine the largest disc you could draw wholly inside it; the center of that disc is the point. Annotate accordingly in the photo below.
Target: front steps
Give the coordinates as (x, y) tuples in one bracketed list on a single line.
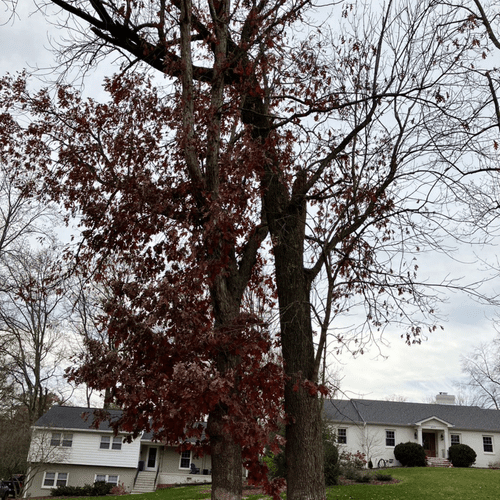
[(438, 462), (145, 482)]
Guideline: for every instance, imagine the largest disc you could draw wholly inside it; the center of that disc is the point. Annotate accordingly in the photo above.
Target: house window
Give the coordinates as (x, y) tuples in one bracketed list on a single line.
[(54, 479), (487, 444), (107, 443), (112, 480), (185, 460), (59, 439), (56, 439), (107, 478), (455, 439), (67, 440), (342, 436), (390, 438)]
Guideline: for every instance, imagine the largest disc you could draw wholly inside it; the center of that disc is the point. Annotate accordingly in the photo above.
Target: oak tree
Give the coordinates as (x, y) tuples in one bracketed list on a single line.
[(342, 145)]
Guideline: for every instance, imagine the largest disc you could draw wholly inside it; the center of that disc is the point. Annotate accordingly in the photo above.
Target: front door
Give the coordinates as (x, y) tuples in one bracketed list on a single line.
[(152, 458), (429, 439)]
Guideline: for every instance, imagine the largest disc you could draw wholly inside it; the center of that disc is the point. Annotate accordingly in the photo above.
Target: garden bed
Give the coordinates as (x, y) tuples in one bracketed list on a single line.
[(346, 482)]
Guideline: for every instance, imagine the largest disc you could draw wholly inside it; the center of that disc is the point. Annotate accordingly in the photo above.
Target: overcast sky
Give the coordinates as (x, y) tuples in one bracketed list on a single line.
[(418, 372)]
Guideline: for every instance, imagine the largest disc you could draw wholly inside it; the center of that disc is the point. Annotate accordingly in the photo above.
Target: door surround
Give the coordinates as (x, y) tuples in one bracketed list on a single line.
[(152, 458)]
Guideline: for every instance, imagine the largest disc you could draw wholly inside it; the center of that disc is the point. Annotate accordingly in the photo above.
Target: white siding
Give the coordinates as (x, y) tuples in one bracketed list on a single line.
[(475, 441), (85, 450), (371, 441)]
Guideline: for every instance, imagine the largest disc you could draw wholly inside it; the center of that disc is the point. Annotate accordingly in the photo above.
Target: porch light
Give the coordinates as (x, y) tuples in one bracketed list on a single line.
[(442, 437)]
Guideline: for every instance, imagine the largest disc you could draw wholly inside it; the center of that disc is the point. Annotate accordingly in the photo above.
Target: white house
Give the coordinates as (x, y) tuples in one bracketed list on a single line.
[(376, 427), (67, 450)]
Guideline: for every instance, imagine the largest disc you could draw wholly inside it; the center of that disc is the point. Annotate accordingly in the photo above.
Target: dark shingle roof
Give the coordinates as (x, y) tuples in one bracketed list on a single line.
[(76, 418), (401, 413), (71, 417)]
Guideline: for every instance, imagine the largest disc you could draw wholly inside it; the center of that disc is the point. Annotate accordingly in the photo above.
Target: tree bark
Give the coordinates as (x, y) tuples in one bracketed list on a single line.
[(226, 454), (227, 482), (227, 462), (304, 446)]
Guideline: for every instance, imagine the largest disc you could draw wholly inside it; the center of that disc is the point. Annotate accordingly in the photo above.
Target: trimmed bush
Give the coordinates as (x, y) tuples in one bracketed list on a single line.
[(410, 454), (98, 489), (461, 455), (66, 491), (101, 489)]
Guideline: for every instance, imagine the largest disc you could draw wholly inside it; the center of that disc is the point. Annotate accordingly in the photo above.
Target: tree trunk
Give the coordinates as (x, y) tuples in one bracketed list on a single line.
[(226, 455), (304, 446), (227, 463)]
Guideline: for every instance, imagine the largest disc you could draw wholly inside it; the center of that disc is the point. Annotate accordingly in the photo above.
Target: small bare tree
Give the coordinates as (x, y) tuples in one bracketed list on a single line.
[(372, 443), (46, 448), (482, 368), (32, 327), (22, 214)]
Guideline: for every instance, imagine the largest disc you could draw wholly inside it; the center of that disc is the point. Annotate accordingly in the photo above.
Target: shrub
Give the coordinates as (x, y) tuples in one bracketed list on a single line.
[(461, 455), (370, 464), (101, 489), (276, 464), (351, 474), (331, 458), (363, 478), (66, 491), (383, 476), (118, 490), (410, 454), (332, 467), (351, 464), (98, 489)]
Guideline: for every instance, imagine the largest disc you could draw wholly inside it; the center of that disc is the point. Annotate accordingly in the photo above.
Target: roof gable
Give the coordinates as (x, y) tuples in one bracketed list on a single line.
[(434, 422)]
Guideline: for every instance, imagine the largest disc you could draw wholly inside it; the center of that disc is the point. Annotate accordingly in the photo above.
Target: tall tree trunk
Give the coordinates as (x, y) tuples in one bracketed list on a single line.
[(227, 462), (227, 482), (304, 446), (226, 454)]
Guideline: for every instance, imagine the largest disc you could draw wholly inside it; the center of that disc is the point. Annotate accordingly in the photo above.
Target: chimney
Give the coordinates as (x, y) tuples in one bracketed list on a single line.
[(443, 398)]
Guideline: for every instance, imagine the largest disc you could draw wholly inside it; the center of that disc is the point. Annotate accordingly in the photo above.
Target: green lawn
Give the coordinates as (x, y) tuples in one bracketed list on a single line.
[(427, 484), (416, 484)]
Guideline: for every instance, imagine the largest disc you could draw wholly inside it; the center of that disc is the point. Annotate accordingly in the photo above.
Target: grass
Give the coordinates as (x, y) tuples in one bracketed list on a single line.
[(416, 484), (427, 484)]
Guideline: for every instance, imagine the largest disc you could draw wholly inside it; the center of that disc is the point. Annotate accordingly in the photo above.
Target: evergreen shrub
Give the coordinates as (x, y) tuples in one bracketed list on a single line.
[(98, 489), (410, 454), (461, 455), (331, 457)]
